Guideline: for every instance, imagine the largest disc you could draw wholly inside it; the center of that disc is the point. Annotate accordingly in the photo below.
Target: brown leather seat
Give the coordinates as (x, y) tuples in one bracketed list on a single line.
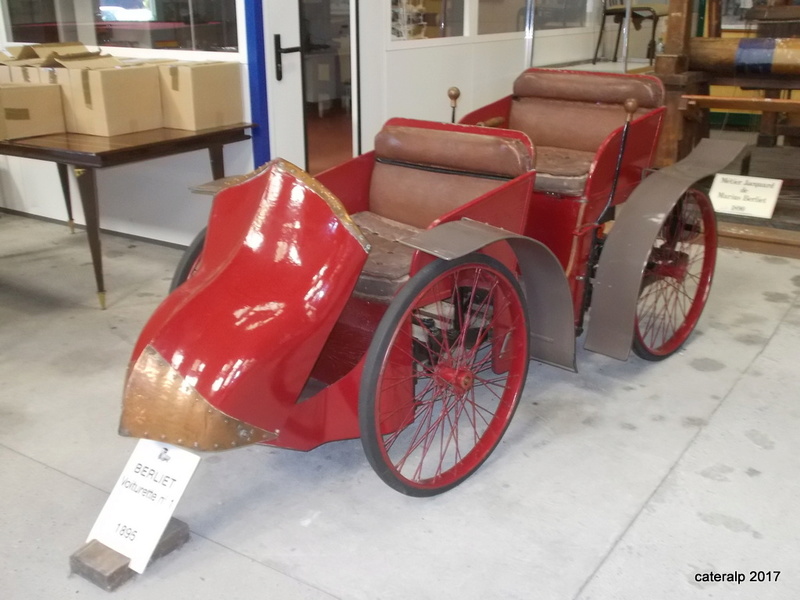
[(420, 175), (568, 116)]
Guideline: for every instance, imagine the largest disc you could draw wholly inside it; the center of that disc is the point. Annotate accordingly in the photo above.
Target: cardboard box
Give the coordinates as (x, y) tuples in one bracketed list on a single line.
[(5, 74), (44, 50), (53, 70), (27, 110), (25, 59), (149, 61), (201, 95), (25, 71), (105, 97)]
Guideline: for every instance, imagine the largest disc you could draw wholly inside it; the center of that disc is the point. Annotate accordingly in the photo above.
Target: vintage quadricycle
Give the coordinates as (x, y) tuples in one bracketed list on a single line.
[(400, 296)]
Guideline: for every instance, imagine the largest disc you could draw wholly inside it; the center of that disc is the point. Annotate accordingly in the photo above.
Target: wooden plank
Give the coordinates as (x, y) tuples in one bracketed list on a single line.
[(738, 103), (762, 240)]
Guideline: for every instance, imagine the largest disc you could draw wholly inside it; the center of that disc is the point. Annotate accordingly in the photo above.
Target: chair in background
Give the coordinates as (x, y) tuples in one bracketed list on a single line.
[(639, 13)]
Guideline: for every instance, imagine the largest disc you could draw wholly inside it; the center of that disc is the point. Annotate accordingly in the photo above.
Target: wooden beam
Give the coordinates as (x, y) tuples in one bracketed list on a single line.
[(734, 103), (714, 18), (679, 26), (742, 56), (763, 240)]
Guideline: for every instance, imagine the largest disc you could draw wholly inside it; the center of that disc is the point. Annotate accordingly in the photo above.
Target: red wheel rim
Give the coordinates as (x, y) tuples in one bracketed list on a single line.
[(463, 386), (678, 276)]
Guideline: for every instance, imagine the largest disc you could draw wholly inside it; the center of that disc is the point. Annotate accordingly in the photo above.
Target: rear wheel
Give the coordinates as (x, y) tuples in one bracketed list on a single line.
[(444, 374), (189, 261), (677, 278)]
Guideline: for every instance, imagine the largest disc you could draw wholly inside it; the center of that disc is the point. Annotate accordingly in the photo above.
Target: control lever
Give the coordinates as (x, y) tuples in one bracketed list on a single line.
[(631, 106)]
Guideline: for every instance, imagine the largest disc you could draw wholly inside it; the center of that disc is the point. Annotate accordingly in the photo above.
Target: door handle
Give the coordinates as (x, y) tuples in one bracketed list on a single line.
[(279, 52)]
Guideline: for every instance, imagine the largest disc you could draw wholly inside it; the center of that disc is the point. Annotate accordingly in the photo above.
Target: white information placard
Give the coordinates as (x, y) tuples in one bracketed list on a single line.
[(745, 195), (142, 502)]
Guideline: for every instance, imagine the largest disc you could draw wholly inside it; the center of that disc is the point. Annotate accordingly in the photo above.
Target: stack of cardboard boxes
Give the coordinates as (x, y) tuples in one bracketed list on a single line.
[(53, 88)]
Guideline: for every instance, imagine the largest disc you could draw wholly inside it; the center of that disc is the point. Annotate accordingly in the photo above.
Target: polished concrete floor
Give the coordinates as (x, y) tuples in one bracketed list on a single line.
[(630, 480)]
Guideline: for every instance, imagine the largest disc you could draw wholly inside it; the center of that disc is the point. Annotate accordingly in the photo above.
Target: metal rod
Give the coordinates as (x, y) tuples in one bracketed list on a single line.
[(631, 105)]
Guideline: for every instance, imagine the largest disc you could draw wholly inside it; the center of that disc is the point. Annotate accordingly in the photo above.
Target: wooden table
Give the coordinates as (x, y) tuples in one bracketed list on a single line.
[(85, 153)]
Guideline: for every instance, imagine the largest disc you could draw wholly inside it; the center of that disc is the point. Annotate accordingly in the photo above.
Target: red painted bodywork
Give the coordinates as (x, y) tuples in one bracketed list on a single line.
[(267, 328), (277, 269), (566, 224)]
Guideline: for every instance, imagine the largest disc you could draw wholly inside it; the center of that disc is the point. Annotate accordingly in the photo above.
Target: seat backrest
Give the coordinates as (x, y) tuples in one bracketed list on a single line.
[(569, 109), (422, 173)]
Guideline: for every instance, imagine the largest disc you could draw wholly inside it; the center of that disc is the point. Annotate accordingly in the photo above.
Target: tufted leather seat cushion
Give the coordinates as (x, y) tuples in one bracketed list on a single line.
[(557, 84), (562, 170), (568, 120), (422, 174)]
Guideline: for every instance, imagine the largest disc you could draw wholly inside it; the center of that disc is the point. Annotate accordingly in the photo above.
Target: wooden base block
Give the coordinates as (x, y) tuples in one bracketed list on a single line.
[(763, 240), (108, 569), (104, 567)]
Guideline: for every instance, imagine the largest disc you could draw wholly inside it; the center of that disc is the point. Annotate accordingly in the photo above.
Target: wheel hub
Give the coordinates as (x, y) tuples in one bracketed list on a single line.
[(669, 263), (461, 380)]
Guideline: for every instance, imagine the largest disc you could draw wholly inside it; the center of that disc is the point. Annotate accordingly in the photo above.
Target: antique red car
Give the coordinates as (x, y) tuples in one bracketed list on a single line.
[(400, 296)]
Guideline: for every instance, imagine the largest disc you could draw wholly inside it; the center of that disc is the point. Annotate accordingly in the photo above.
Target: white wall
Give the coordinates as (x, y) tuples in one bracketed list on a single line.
[(411, 78)]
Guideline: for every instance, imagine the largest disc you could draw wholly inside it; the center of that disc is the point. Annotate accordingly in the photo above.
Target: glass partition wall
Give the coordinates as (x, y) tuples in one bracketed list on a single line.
[(425, 19), (168, 24)]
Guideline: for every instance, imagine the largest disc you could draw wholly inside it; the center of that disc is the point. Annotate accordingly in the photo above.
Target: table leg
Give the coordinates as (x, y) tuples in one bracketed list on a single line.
[(63, 174), (217, 161), (87, 184)]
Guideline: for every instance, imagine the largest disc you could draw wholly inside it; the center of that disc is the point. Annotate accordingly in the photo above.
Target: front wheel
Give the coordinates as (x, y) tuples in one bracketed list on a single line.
[(189, 261), (677, 278), (444, 374)]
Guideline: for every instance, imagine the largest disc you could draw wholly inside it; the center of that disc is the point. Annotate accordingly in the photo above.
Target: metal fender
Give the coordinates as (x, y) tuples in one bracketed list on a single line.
[(615, 291), (224, 358), (547, 295)]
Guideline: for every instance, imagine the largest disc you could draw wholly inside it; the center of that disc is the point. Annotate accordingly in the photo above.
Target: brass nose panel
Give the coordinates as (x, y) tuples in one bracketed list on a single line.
[(158, 404)]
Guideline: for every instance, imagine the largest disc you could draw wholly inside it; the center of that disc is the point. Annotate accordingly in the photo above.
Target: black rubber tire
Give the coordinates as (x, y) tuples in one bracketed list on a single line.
[(189, 260), (443, 405)]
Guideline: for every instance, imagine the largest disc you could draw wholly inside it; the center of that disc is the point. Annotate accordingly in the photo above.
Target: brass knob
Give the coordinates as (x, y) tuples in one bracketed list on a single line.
[(453, 93)]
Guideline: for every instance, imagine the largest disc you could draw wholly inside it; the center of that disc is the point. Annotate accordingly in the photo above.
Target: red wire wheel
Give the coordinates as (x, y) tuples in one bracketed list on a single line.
[(677, 278), (444, 374)]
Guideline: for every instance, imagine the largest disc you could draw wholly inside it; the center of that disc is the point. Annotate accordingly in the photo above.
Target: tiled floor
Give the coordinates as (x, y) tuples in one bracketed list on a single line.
[(626, 481), (328, 138)]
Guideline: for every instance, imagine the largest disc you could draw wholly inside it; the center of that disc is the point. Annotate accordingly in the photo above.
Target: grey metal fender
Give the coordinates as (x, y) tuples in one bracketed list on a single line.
[(547, 295), (619, 273)]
